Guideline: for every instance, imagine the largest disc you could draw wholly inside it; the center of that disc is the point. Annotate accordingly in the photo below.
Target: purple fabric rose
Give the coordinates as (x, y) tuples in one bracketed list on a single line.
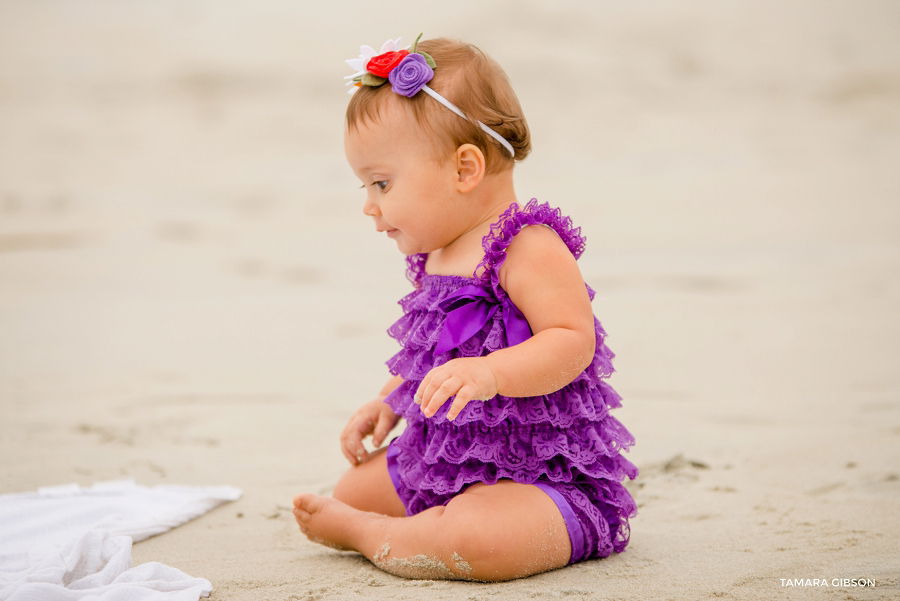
[(410, 75)]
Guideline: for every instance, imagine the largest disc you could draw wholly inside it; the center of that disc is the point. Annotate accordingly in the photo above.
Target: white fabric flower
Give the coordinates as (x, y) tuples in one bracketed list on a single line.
[(365, 55)]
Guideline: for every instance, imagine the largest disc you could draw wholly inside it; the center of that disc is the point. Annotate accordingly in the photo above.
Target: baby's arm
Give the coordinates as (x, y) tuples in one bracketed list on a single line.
[(542, 279), (375, 418)]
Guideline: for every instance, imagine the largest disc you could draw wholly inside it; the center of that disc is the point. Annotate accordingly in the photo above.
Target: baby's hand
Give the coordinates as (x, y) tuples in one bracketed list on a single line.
[(374, 418), (469, 378)]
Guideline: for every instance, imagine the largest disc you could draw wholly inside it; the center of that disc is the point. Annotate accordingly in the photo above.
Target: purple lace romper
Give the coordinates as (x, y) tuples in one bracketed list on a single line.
[(565, 442)]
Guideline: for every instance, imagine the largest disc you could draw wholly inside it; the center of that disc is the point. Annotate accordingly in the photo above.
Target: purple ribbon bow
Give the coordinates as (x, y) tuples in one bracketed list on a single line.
[(469, 308)]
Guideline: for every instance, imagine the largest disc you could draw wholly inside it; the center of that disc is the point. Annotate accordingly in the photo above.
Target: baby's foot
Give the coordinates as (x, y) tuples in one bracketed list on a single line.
[(327, 521)]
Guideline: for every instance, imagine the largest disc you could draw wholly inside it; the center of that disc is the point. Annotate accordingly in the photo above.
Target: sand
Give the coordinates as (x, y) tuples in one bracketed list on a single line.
[(189, 292)]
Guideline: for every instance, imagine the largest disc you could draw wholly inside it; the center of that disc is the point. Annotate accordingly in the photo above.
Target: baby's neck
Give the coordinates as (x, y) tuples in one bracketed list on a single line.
[(484, 204), (493, 195)]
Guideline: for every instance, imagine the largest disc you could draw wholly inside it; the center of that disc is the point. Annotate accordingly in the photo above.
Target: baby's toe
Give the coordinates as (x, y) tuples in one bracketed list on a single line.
[(306, 504)]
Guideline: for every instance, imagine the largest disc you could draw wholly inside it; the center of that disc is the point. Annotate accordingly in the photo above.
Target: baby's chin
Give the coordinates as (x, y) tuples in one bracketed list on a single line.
[(407, 247)]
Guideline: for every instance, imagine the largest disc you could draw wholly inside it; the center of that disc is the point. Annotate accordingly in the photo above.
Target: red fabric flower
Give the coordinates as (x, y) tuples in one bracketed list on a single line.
[(382, 64)]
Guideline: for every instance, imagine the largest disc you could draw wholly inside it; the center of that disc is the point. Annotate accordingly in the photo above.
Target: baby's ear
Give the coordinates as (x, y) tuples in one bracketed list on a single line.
[(470, 166)]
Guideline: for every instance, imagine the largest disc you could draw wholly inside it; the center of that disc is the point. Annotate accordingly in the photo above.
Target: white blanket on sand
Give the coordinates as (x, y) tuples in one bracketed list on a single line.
[(66, 543)]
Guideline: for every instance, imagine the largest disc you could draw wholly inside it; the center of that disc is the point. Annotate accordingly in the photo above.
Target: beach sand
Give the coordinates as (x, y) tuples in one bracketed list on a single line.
[(189, 292)]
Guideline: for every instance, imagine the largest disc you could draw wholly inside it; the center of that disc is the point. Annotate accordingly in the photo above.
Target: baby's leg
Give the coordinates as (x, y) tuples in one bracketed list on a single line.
[(368, 487), (498, 532)]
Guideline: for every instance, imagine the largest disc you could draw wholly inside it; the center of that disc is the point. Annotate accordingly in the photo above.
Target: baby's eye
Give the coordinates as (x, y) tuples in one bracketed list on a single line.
[(381, 185)]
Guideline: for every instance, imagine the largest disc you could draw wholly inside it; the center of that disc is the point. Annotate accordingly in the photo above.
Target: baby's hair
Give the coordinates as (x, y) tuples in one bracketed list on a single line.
[(472, 81)]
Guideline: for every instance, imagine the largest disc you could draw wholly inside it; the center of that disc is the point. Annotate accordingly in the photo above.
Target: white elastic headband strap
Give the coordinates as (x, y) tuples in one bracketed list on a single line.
[(456, 110)]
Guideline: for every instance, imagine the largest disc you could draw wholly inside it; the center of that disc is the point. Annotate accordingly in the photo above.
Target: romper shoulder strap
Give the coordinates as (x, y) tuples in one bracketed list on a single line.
[(511, 222)]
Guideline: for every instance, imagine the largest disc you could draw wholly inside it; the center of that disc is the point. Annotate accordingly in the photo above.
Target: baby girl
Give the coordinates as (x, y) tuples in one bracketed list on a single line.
[(510, 463)]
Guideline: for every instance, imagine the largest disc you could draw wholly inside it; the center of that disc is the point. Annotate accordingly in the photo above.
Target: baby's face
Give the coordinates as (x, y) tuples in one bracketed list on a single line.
[(409, 194)]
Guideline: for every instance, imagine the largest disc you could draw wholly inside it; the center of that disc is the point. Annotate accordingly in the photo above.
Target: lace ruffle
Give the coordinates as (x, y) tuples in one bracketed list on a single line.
[(415, 267), (528, 451), (581, 400), (608, 508)]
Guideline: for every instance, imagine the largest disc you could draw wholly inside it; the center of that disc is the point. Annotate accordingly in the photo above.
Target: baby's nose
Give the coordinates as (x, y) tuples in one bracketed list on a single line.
[(371, 209)]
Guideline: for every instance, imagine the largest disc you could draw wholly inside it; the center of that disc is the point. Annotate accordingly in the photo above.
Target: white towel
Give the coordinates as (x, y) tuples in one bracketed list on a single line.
[(66, 542)]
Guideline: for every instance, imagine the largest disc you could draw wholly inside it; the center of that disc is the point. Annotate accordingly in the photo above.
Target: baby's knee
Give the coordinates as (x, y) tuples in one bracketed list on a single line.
[(470, 552), (348, 489), (489, 548)]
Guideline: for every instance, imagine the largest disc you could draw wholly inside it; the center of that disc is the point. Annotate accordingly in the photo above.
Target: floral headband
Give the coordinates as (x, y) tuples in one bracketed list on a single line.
[(408, 72)]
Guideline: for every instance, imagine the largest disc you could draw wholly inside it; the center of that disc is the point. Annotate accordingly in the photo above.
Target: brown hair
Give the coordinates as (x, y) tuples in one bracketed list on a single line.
[(472, 81)]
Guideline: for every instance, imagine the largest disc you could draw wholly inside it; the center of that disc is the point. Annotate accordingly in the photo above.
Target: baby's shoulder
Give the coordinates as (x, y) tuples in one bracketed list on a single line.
[(538, 236), (535, 249)]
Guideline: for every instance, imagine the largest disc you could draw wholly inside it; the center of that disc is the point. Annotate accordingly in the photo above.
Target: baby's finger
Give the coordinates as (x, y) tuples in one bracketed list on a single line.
[(348, 453), (423, 385), (434, 379), (384, 425), (446, 390), (360, 422), (353, 447), (462, 399)]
